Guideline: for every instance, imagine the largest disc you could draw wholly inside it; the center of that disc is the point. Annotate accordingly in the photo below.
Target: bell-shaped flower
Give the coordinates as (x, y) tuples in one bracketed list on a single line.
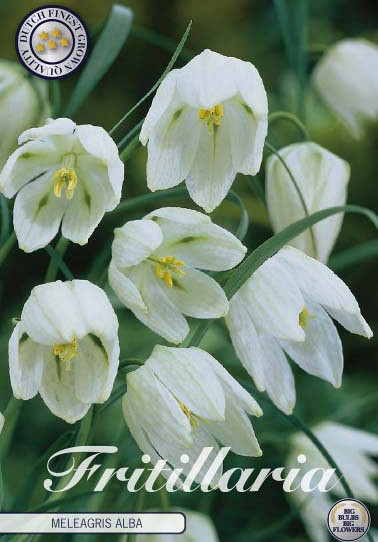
[(23, 103), (65, 347), (154, 268), (322, 178), (207, 122), (63, 173), (353, 451), (285, 307), (346, 78), (199, 528), (182, 400)]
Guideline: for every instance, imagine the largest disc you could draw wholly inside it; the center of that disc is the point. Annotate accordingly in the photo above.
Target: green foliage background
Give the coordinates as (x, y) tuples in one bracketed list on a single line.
[(249, 30)]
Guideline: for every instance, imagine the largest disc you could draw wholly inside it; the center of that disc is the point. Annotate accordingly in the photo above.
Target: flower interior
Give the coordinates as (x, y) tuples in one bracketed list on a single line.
[(212, 117), (66, 176), (168, 265)]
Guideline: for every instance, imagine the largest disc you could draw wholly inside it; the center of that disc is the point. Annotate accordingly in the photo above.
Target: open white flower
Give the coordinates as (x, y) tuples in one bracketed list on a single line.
[(352, 450), (154, 268), (199, 528), (62, 173), (182, 400), (347, 80), (285, 306), (65, 347), (23, 103), (322, 178), (207, 122)]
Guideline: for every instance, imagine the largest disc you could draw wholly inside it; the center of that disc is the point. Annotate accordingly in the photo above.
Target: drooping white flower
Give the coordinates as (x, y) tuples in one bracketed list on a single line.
[(207, 122), (154, 268), (199, 528), (285, 306), (23, 103), (65, 347), (347, 80), (182, 400), (322, 178), (62, 173), (352, 449)]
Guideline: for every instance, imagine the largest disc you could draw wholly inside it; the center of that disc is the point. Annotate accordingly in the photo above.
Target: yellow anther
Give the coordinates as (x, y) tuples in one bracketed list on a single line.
[(66, 352), (168, 265), (212, 117), (65, 176), (192, 420), (304, 315)]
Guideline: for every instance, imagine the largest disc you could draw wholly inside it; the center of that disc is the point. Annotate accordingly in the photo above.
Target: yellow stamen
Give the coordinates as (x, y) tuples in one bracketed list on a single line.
[(212, 117), (168, 265), (65, 176), (66, 352), (304, 315), (192, 420)]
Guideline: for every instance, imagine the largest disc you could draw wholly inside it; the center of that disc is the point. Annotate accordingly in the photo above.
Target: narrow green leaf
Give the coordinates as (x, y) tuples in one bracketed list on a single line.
[(105, 51), (59, 262), (171, 63)]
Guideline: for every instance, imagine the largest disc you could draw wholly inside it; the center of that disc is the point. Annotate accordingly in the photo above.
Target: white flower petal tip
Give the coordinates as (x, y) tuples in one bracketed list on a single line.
[(264, 319), (23, 103), (207, 122), (346, 78), (322, 178), (155, 269), (183, 400), (65, 348), (62, 174)]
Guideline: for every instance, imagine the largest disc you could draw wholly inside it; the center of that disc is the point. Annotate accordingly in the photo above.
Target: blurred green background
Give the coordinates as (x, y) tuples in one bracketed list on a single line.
[(249, 30)]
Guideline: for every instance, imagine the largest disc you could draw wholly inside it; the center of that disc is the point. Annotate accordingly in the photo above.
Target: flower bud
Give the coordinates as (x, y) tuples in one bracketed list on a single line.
[(322, 178), (347, 80), (23, 104)]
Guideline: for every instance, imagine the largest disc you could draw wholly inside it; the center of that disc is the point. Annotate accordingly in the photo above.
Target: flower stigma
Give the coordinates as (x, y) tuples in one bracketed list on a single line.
[(66, 176), (194, 423), (304, 315), (212, 117), (66, 352), (168, 265)]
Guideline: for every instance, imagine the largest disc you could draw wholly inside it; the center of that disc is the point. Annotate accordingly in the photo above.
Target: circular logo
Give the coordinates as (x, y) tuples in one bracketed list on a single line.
[(52, 42), (348, 520)]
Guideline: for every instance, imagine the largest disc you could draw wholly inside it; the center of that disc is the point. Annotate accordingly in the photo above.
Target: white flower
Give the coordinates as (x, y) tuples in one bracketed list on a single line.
[(351, 449), (322, 178), (23, 103), (199, 528), (347, 80), (62, 173), (207, 122), (65, 347), (285, 306), (182, 400), (154, 268), (2, 421)]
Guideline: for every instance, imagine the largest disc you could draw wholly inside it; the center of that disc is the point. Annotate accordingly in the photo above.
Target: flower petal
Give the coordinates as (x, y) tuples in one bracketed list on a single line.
[(212, 172), (198, 295), (51, 316), (125, 289), (180, 215), (321, 354), (37, 214), (58, 391), (187, 375), (135, 241), (62, 126), (172, 147), (97, 142), (27, 163), (323, 286), (25, 364), (247, 136)]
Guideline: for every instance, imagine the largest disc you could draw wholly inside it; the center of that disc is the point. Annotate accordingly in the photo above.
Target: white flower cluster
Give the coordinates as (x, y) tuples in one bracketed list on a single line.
[(207, 122)]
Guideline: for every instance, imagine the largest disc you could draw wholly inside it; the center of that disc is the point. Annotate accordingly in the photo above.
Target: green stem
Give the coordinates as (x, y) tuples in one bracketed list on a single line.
[(54, 255), (5, 219), (60, 249), (130, 136), (285, 115), (298, 190), (7, 247), (164, 498), (11, 415)]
